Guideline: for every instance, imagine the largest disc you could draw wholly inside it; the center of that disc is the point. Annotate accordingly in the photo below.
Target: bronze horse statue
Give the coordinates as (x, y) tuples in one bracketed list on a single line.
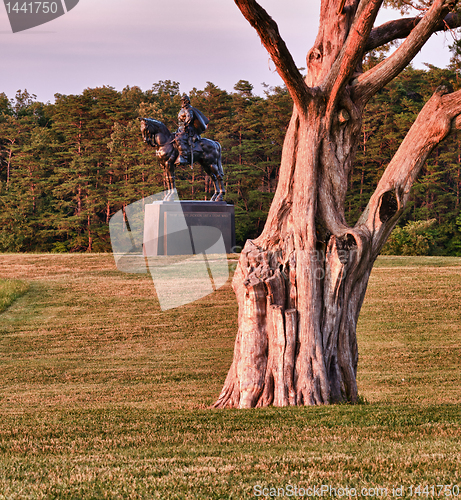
[(156, 134)]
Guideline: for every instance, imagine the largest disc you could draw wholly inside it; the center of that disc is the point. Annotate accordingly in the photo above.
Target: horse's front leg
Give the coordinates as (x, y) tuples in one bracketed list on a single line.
[(166, 182), (170, 174)]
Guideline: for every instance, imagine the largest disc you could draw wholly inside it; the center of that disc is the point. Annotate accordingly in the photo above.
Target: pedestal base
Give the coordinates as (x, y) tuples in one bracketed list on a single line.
[(188, 227)]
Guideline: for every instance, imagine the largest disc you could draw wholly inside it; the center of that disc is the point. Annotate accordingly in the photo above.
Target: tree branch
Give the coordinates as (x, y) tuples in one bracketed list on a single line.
[(374, 79), (439, 115), (268, 32), (353, 49), (401, 28)]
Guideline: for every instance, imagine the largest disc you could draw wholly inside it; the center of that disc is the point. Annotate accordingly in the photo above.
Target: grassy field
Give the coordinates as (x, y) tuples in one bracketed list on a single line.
[(103, 395)]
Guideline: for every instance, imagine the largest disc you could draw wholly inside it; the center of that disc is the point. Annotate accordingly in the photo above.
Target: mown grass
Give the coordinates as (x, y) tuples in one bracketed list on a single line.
[(10, 290), (103, 395)]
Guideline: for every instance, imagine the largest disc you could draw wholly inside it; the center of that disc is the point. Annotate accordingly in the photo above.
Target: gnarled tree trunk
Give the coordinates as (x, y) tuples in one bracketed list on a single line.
[(301, 284)]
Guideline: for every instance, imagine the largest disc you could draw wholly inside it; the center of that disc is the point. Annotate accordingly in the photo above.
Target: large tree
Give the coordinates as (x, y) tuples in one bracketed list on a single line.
[(300, 285)]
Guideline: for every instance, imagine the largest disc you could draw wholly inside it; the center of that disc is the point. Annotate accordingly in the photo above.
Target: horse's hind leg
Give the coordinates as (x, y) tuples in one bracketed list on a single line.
[(220, 176), (211, 171), (222, 189), (219, 190), (216, 188)]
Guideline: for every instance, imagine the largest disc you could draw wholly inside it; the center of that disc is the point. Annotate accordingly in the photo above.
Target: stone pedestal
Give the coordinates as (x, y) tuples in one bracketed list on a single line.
[(188, 227)]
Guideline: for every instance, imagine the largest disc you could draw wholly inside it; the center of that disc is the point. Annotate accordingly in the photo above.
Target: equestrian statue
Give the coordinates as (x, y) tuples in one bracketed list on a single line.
[(185, 147)]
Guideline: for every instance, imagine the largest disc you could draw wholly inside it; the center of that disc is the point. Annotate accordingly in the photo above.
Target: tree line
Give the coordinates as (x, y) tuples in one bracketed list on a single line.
[(67, 167)]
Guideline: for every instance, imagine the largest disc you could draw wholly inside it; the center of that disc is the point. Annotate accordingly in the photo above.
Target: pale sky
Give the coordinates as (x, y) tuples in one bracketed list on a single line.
[(139, 42)]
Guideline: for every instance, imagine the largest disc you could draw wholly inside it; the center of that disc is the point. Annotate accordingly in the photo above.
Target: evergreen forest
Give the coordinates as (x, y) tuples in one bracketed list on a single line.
[(67, 167)]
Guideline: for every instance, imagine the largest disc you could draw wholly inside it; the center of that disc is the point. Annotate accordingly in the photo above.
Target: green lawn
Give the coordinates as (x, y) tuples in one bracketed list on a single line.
[(103, 395)]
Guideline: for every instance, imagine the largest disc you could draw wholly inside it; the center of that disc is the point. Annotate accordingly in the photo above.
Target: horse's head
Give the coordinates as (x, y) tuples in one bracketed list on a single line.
[(154, 132), (146, 132)]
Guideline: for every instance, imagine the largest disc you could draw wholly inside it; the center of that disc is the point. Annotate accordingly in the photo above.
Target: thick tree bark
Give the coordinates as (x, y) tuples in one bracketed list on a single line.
[(301, 284)]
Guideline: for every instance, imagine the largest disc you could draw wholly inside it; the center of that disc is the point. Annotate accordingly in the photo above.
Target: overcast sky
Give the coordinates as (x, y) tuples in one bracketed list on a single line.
[(139, 42)]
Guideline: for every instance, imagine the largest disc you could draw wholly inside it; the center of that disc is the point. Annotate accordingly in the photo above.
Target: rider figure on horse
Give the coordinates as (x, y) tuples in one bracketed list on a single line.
[(192, 123)]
